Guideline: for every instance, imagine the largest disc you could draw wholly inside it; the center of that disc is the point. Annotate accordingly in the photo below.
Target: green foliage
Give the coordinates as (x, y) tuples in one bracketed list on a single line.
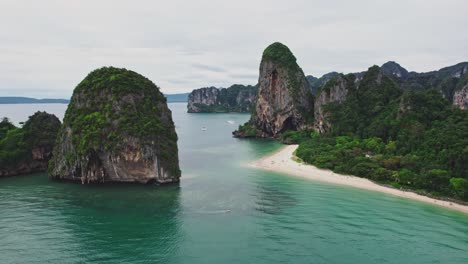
[(413, 139), (294, 137), (459, 187), (13, 149), (247, 130), (280, 54), (16, 144), (228, 97), (111, 106), (5, 126), (369, 110)]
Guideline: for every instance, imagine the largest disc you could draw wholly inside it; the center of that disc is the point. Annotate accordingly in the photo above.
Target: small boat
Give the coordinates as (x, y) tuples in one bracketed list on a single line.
[(231, 122)]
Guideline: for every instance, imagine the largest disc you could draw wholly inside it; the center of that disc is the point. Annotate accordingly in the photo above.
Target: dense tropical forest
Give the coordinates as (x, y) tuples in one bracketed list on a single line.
[(411, 139)]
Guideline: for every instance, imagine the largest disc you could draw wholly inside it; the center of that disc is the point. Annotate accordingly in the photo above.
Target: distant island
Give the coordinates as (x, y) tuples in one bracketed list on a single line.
[(28, 100), (236, 98), (171, 98)]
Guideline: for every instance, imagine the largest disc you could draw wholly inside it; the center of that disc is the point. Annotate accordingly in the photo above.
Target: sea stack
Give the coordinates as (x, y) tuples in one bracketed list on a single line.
[(284, 100), (117, 128)]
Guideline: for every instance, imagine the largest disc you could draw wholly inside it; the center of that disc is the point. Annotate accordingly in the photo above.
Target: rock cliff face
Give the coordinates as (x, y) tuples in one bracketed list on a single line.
[(117, 128), (28, 149), (285, 101), (237, 98), (334, 91), (203, 97), (285, 97), (460, 98)]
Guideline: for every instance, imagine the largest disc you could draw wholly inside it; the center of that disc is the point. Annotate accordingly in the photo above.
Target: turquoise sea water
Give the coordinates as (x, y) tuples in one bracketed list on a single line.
[(222, 212)]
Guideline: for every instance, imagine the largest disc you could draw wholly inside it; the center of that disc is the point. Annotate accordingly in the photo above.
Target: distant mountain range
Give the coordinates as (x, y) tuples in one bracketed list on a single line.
[(449, 81), (27, 100), (171, 98)]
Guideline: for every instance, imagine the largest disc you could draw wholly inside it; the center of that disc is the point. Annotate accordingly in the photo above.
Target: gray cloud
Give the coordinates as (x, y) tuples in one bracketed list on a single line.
[(208, 67), (242, 76), (48, 46)]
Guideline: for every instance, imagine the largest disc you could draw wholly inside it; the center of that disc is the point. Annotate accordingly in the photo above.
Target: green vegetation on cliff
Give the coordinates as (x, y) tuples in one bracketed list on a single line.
[(282, 55), (5, 126), (112, 106), (247, 130), (16, 144), (238, 97), (285, 100), (415, 140), (104, 109)]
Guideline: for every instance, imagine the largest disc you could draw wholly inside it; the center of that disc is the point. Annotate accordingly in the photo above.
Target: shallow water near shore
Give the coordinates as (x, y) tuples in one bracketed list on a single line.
[(222, 212)]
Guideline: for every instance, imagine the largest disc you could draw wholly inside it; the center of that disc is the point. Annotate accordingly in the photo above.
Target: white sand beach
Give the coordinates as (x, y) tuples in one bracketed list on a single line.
[(282, 162)]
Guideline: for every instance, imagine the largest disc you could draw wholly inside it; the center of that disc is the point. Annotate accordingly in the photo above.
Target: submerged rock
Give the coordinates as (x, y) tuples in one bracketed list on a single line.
[(117, 128), (284, 101), (27, 149)]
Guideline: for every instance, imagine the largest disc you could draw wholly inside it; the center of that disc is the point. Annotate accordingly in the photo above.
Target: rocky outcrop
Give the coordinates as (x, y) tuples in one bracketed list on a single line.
[(237, 98), (317, 83), (460, 98), (334, 91), (117, 128), (199, 98), (285, 101), (392, 68), (28, 149)]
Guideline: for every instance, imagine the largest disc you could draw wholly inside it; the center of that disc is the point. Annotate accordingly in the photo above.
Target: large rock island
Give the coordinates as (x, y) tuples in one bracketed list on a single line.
[(237, 98), (117, 128), (285, 100), (27, 149)]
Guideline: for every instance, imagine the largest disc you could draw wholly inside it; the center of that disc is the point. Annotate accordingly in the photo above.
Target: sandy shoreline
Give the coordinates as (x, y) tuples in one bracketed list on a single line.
[(281, 161)]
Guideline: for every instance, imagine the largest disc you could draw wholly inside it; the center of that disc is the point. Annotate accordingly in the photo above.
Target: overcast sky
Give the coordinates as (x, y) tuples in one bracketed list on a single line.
[(47, 47)]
